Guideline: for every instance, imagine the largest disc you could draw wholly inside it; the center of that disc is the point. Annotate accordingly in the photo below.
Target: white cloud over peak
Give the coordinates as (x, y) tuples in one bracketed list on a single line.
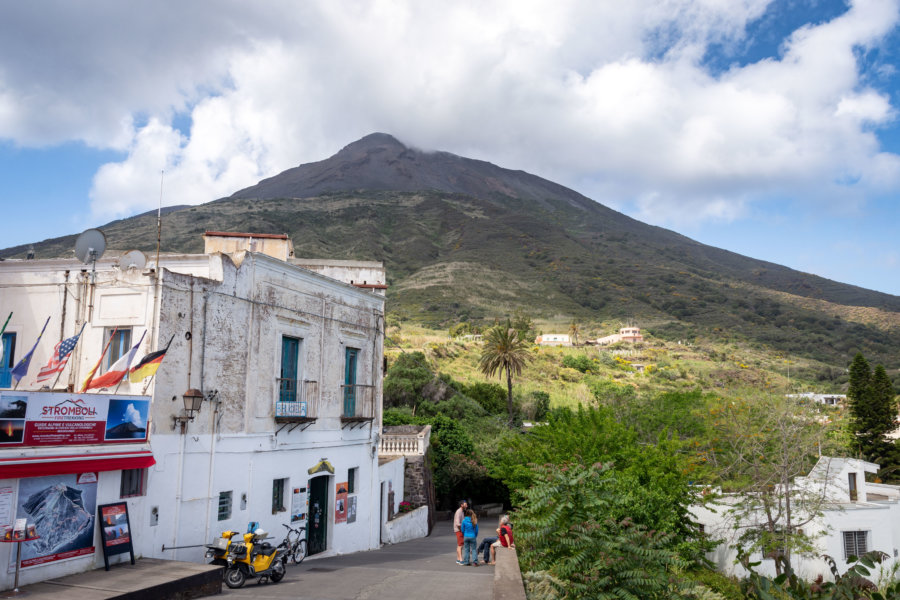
[(612, 98)]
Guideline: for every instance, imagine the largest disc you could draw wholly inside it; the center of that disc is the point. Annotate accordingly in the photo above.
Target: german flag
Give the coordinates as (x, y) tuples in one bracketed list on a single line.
[(148, 365)]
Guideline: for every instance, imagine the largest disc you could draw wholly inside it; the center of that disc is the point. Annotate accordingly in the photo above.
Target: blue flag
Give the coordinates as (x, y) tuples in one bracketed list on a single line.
[(21, 368)]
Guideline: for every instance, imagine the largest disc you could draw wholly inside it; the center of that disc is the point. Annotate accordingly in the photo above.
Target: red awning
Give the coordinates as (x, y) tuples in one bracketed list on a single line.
[(39, 466)]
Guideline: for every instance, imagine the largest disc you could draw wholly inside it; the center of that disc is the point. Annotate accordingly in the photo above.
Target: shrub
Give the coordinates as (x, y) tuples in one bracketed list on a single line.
[(567, 528)]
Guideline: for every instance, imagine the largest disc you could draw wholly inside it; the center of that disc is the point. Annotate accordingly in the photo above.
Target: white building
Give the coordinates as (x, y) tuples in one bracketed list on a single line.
[(553, 339), (827, 399), (856, 517), (626, 334), (289, 366)]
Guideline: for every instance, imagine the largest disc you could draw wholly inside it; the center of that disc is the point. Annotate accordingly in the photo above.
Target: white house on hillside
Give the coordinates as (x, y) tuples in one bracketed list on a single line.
[(856, 517), (553, 339), (285, 364)]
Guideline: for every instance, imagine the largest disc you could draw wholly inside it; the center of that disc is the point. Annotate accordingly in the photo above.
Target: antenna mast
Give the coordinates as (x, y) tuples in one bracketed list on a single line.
[(162, 174)]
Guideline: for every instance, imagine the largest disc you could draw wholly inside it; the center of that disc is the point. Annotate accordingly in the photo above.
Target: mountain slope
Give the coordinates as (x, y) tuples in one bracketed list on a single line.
[(466, 239)]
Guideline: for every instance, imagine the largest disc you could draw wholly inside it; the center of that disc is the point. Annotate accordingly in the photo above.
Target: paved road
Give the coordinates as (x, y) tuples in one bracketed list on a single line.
[(423, 569)]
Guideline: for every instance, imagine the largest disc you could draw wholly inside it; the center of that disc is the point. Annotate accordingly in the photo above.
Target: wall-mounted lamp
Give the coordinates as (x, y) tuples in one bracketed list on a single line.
[(193, 400)]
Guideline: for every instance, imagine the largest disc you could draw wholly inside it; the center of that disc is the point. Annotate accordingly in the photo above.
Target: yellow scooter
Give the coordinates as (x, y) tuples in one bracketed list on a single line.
[(218, 550), (253, 558)]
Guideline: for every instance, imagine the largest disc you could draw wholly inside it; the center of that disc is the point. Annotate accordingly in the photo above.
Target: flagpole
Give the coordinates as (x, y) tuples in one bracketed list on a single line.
[(146, 385), (129, 363), (27, 358), (55, 381)]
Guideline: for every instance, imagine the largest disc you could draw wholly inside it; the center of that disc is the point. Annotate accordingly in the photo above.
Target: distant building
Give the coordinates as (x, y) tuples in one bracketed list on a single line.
[(553, 339), (626, 334), (828, 399)]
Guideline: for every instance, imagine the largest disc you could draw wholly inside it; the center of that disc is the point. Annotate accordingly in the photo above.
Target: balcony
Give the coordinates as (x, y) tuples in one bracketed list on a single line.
[(405, 440), (358, 406), (297, 403)]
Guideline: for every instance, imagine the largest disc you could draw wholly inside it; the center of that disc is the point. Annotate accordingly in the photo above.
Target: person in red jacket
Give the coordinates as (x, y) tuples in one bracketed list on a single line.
[(504, 538)]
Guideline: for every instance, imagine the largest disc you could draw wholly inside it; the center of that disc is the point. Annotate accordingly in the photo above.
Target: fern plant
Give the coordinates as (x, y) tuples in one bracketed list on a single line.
[(566, 527)]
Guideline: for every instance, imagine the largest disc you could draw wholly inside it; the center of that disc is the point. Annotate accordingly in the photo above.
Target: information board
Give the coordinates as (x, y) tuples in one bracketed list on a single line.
[(115, 530)]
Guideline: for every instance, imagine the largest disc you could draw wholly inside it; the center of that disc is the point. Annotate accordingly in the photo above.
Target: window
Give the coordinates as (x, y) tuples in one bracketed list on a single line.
[(118, 346), (855, 543), (350, 358), (352, 476), (287, 382), (9, 359), (278, 487), (132, 483), (851, 480), (224, 505)]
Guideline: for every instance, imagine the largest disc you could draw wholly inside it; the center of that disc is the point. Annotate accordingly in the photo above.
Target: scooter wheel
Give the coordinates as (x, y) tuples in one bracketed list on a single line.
[(278, 572), (234, 578)]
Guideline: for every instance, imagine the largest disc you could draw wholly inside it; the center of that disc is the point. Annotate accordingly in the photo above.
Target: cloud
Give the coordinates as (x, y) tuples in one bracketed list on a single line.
[(132, 415), (614, 99)]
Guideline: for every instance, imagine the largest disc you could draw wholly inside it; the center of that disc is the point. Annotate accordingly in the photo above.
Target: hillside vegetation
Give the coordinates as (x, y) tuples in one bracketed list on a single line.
[(465, 240)]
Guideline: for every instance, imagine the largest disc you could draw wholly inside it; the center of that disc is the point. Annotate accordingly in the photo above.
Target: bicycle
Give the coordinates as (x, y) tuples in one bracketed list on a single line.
[(294, 544)]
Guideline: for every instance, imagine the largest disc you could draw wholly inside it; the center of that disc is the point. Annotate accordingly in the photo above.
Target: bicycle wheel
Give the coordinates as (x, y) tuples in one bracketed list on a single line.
[(299, 552)]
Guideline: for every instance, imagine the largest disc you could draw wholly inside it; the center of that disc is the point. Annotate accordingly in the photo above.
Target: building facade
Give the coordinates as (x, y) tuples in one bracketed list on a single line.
[(855, 516), (285, 363)]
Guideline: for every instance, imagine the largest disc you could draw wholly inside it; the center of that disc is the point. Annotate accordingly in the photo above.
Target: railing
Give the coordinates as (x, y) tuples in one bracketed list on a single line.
[(358, 402), (297, 400), (405, 444)]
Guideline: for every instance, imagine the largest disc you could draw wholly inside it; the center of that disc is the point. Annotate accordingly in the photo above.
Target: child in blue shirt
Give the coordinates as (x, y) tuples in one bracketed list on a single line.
[(470, 535)]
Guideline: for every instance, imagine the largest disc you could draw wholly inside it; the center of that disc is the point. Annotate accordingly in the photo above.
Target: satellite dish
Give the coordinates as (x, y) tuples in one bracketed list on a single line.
[(90, 245), (133, 259)]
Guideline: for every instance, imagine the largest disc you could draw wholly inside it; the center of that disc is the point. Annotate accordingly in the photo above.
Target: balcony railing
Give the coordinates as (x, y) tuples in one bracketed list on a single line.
[(297, 401), (405, 443), (358, 403)]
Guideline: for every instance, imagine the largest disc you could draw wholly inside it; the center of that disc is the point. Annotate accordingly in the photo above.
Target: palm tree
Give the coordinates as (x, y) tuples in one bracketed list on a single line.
[(574, 330), (504, 350)]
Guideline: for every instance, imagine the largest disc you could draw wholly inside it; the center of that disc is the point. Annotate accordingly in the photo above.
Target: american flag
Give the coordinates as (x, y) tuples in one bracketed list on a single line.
[(59, 358)]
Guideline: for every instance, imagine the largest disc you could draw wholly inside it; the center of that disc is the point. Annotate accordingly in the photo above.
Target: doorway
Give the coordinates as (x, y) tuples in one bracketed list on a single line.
[(318, 514)]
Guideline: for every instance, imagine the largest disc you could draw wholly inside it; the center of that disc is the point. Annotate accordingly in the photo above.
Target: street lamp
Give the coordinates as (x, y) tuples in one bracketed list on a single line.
[(193, 400)]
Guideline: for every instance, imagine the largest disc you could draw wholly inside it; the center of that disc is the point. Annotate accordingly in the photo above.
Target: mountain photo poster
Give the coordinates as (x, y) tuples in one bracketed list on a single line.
[(62, 508)]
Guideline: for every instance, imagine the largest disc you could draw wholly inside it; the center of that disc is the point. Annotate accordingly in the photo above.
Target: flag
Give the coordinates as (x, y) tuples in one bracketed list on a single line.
[(1, 338), (21, 368), (149, 364), (117, 371), (59, 358), (87, 380)]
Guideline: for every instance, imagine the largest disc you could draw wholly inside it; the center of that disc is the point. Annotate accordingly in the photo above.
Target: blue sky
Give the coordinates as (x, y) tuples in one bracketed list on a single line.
[(769, 128)]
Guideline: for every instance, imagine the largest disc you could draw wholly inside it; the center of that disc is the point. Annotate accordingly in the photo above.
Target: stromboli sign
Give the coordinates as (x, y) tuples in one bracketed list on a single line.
[(53, 419)]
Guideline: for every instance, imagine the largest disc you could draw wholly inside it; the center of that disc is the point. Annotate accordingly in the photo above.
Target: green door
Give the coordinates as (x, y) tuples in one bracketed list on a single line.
[(350, 382), (317, 526)]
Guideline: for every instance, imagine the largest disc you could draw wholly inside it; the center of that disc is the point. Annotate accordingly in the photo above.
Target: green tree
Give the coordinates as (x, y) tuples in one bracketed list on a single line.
[(872, 408), (760, 446), (504, 351), (654, 478), (568, 526), (406, 379)]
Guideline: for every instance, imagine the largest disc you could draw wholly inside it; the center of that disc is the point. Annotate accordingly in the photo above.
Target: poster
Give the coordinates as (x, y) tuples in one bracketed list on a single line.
[(114, 520), (62, 509), (351, 510), (299, 503), (340, 503), (58, 419)]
